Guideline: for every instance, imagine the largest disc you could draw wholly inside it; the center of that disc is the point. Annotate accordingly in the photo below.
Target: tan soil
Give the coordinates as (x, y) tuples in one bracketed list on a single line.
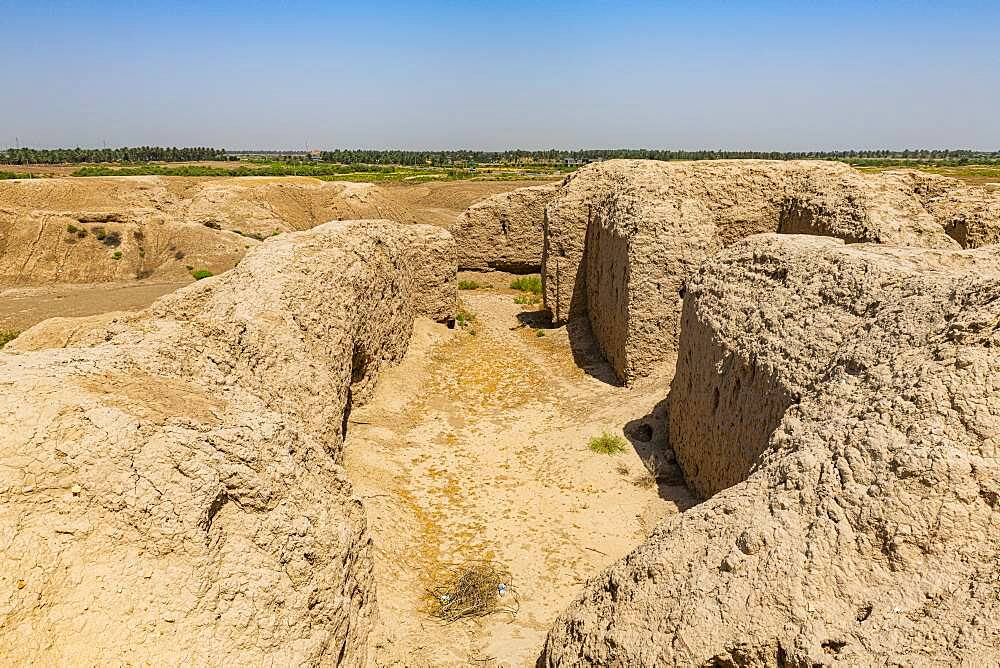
[(20, 308), (51, 230), (477, 445)]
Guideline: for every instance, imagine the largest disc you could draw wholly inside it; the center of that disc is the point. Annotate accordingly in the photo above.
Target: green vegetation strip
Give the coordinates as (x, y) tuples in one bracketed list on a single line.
[(326, 172), (6, 336), (532, 284)]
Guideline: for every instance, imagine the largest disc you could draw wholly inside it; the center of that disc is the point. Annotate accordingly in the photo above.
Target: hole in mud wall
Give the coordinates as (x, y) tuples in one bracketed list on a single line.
[(359, 365), (796, 218)]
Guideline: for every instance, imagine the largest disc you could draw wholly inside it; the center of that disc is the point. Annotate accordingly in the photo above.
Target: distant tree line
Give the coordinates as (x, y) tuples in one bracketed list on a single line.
[(146, 154), (34, 156), (462, 157)]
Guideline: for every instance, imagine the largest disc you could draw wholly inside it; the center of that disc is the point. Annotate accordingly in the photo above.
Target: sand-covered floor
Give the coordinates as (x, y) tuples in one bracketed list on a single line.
[(477, 447)]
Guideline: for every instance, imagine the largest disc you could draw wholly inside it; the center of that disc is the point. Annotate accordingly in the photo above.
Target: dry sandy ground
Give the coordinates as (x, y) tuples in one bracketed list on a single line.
[(477, 447), (22, 307)]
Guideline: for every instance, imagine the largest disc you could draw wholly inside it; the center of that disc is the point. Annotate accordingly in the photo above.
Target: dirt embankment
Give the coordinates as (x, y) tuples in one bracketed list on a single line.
[(75, 246), (85, 230), (172, 484)]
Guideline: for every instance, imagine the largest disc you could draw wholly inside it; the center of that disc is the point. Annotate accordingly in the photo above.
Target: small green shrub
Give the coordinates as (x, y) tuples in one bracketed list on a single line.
[(527, 299), (532, 284), (117, 255), (201, 273), (468, 285), (100, 233), (539, 333), (72, 229), (464, 318), (6, 336), (607, 444)]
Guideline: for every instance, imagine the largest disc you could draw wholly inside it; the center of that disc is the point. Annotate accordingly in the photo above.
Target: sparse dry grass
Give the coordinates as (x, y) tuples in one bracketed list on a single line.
[(464, 318), (471, 589), (650, 475)]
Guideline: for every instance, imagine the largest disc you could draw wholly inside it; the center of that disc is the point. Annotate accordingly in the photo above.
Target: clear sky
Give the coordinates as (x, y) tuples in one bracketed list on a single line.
[(779, 75)]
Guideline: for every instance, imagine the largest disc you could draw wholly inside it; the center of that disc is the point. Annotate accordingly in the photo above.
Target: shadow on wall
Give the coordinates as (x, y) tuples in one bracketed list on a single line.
[(586, 353), (650, 437), (578, 300)]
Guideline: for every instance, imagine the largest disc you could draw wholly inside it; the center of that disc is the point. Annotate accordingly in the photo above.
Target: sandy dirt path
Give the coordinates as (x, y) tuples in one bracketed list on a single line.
[(476, 446)]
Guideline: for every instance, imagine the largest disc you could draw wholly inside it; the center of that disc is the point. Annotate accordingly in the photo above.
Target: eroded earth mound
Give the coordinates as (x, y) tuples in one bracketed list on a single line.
[(171, 492), (969, 214), (841, 404), (622, 236), (82, 230)]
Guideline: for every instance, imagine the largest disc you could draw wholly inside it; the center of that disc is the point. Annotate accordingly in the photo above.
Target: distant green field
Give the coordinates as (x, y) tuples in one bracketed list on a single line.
[(980, 173), (975, 174)]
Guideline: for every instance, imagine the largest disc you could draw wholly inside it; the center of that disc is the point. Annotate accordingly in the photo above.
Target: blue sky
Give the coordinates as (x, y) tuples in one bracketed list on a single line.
[(739, 75)]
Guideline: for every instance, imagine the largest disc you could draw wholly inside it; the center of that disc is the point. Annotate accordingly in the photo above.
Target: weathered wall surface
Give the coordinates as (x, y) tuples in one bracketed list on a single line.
[(634, 271), (504, 232), (969, 214), (172, 493), (431, 255), (862, 533), (668, 217)]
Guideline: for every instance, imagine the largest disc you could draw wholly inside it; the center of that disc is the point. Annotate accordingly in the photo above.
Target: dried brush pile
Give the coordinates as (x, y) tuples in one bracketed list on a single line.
[(474, 588)]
